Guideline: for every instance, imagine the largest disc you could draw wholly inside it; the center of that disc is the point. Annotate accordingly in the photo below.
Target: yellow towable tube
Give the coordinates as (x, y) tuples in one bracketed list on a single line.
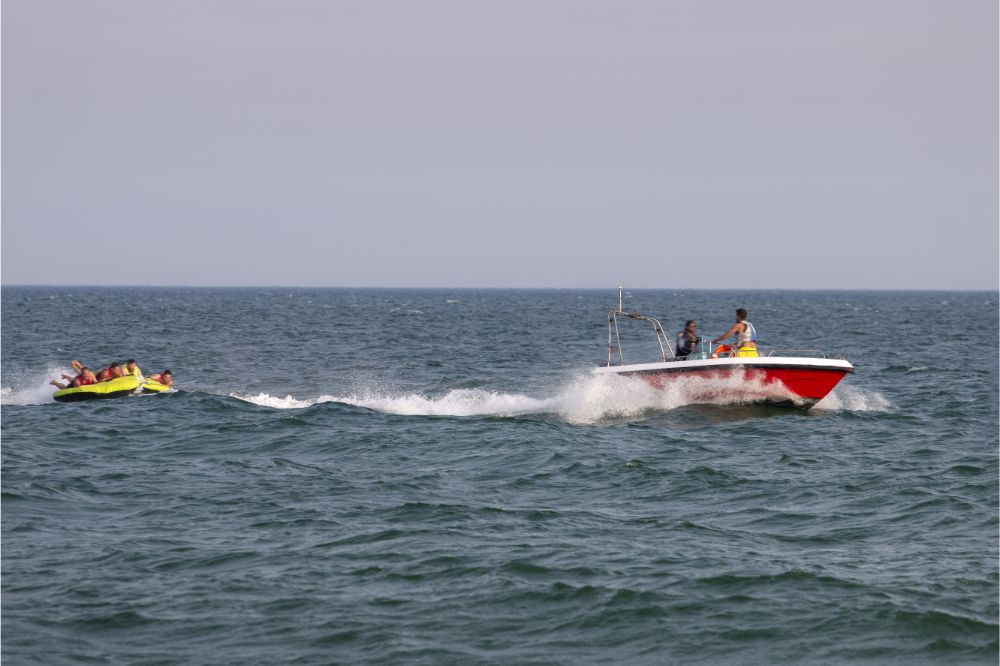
[(115, 388)]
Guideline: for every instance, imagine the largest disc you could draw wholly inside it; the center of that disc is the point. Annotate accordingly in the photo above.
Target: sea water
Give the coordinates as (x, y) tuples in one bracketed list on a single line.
[(434, 477)]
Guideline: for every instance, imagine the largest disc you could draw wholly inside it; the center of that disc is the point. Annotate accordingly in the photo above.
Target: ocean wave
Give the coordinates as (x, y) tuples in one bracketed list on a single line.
[(852, 399), (267, 400), (906, 368)]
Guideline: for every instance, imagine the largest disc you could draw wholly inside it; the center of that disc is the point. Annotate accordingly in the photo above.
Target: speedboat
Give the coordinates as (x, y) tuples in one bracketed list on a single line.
[(119, 387), (791, 377)]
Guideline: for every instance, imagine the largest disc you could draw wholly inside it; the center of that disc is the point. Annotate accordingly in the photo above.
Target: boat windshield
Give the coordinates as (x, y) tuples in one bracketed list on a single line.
[(701, 351)]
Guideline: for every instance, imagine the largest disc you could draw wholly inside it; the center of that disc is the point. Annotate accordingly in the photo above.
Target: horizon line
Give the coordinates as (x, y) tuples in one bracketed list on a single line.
[(425, 288)]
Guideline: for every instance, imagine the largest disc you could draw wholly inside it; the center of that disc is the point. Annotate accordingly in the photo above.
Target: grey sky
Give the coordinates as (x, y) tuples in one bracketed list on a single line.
[(847, 144)]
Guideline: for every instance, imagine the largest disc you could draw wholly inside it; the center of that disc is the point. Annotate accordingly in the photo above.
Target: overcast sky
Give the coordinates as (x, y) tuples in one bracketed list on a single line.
[(730, 144)]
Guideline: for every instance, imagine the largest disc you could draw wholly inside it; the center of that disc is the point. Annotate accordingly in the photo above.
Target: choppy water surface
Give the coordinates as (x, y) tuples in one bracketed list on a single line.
[(431, 477)]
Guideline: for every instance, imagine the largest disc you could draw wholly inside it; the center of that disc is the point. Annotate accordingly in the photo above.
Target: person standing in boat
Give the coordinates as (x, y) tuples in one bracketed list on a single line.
[(687, 339), (744, 334)]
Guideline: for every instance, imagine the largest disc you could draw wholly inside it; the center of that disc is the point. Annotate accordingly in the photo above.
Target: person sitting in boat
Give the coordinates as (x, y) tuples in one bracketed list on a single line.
[(745, 338), (113, 371), (166, 377), (85, 378), (687, 339), (132, 368)]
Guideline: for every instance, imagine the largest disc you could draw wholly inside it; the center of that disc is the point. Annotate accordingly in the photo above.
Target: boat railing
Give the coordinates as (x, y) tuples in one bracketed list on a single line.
[(811, 353), (614, 336), (704, 350)]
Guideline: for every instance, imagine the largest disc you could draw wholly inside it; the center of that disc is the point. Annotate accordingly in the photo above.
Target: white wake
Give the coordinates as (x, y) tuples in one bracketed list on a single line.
[(588, 399), (32, 389), (850, 399), (585, 399)]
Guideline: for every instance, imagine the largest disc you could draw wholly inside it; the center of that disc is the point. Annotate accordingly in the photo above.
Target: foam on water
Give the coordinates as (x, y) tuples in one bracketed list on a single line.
[(585, 400), (32, 389), (851, 399), (267, 400), (602, 397), (459, 402)]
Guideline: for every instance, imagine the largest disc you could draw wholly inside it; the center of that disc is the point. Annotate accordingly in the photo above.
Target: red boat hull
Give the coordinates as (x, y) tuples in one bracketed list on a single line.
[(807, 386), (798, 384)]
